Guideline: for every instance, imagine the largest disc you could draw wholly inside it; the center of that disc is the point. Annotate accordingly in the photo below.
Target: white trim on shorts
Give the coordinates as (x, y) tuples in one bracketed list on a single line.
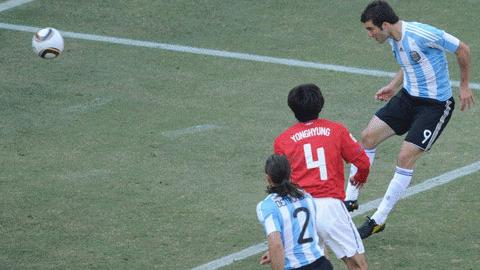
[(446, 112)]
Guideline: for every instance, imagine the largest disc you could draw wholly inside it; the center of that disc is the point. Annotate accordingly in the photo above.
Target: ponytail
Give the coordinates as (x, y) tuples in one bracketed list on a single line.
[(286, 188), (278, 169)]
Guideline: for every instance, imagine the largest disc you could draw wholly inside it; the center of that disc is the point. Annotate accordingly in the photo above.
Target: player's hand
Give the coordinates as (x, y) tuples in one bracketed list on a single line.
[(385, 93), (265, 259), (466, 98), (360, 178), (356, 183)]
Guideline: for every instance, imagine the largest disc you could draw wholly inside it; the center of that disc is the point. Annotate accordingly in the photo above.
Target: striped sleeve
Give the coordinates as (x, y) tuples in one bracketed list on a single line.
[(451, 42), (434, 37), (268, 217)]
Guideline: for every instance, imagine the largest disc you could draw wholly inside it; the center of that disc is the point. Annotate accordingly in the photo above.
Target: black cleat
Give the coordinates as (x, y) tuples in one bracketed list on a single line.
[(351, 205), (370, 227)]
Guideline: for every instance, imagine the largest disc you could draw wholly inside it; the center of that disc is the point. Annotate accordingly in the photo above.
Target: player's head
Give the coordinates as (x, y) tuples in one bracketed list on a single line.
[(278, 172), (375, 17), (306, 102), (379, 12)]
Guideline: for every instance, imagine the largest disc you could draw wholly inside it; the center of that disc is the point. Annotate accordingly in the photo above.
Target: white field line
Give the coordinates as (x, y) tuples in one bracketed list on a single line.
[(89, 106), (219, 53), (172, 134), (425, 185), (12, 3)]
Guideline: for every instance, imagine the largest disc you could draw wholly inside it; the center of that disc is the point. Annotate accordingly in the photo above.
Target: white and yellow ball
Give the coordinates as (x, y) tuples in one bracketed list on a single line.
[(47, 43)]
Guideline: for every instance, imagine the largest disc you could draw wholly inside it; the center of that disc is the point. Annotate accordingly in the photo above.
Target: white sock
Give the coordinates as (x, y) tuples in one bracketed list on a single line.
[(352, 192), (400, 181)]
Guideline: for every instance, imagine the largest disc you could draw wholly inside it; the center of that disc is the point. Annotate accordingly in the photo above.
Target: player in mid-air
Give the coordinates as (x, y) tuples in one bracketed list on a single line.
[(288, 217), (317, 149), (421, 108)]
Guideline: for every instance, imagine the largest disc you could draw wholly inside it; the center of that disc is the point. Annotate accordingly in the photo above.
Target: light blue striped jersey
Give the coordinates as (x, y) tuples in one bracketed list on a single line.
[(295, 220), (421, 55)]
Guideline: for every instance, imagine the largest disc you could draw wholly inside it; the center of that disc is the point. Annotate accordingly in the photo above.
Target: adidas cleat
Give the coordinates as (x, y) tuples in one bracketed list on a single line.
[(370, 227), (351, 205)]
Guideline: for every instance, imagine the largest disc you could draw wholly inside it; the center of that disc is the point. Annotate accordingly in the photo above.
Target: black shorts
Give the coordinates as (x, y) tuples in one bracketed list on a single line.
[(321, 264), (423, 118)]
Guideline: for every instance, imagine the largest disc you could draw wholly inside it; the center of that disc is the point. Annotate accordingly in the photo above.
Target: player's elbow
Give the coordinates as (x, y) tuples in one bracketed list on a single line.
[(463, 50), (466, 48), (276, 248), (275, 245), (362, 162)]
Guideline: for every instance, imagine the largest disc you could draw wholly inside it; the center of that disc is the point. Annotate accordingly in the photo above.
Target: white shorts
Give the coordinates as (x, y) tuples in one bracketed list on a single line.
[(336, 228)]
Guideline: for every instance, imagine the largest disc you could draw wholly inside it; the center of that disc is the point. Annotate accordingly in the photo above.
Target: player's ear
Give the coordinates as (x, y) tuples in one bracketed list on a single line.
[(269, 180), (384, 25)]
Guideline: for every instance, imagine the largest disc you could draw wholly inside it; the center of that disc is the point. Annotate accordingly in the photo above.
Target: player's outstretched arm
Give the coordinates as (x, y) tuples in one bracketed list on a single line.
[(463, 59), (389, 90)]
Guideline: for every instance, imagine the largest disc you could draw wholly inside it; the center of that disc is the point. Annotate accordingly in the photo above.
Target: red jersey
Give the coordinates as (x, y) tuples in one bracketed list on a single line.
[(316, 151)]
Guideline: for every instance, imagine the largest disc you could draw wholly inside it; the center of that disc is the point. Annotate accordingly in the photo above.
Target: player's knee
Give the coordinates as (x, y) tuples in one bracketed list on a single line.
[(362, 265), (405, 160), (368, 140), (357, 262)]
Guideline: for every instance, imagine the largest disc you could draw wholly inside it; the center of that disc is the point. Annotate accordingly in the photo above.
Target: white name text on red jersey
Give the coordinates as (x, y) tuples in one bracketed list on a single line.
[(315, 131)]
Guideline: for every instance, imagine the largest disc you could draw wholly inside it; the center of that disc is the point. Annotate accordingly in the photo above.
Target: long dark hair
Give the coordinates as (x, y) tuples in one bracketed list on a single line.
[(278, 168)]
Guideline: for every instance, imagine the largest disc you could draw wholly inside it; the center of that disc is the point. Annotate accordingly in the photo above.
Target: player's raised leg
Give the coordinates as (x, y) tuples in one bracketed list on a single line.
[(429, 122), (409, 154), (376, 132)]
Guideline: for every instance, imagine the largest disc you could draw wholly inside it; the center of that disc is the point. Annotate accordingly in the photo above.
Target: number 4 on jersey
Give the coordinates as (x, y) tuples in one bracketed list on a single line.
[(321, 164)]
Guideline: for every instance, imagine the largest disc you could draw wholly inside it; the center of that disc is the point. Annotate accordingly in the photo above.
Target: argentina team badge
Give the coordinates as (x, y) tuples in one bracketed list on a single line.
[(415, 56)]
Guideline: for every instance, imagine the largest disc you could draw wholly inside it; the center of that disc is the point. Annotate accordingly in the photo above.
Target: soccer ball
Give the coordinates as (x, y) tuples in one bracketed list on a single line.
[(47, 43)]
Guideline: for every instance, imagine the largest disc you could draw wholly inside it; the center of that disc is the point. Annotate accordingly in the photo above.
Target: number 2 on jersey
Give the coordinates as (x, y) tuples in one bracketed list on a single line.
[(305, 220), (321, 163)]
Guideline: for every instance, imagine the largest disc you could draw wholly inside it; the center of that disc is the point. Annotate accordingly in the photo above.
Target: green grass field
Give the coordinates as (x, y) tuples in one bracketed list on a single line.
[(98, 169)]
